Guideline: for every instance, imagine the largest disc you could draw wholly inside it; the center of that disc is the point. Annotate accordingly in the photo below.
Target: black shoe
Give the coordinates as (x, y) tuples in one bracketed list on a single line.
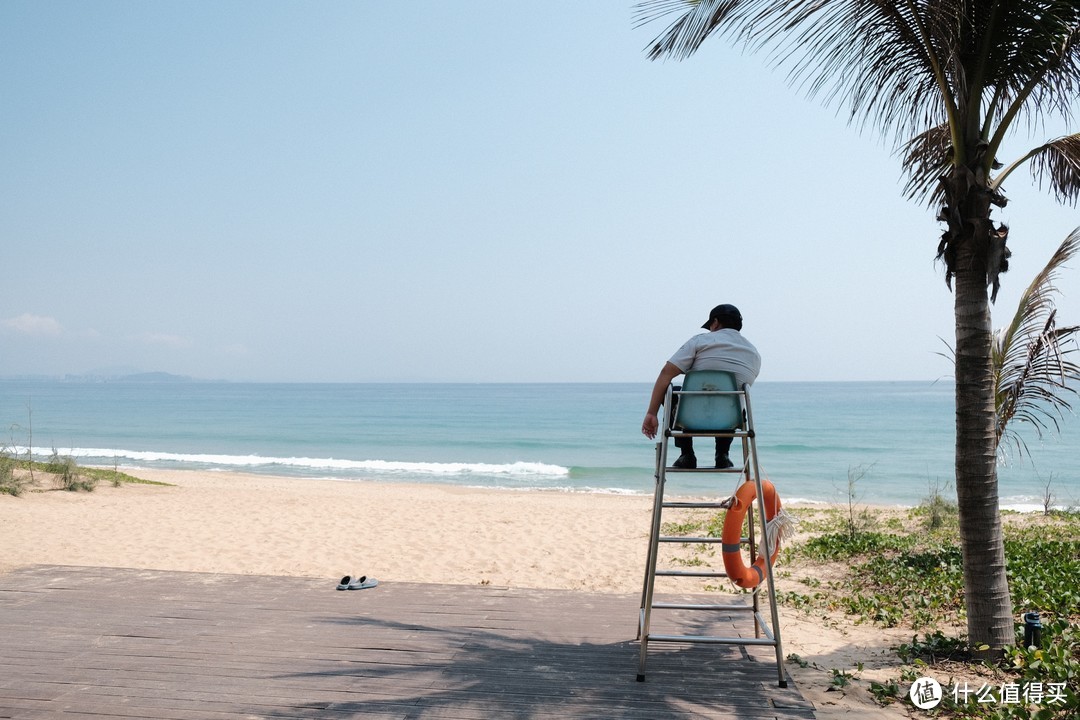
[(686, 461), (723, 462)]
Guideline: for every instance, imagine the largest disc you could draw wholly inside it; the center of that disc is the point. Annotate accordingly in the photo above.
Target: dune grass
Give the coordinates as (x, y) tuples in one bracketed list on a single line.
[(19, 475)]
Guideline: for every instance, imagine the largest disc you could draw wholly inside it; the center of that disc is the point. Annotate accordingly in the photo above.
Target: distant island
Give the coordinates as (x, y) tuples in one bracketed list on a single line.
[(154, 377)]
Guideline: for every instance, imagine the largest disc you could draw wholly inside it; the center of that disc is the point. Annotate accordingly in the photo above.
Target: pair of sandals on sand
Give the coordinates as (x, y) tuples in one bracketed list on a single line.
[(352, 582)]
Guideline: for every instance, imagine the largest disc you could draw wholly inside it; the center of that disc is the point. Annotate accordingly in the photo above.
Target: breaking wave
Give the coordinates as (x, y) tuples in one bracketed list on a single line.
[(303, 465)]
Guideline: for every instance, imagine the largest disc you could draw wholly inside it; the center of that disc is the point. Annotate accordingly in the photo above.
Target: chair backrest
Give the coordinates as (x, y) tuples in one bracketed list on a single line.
[(709, 413)]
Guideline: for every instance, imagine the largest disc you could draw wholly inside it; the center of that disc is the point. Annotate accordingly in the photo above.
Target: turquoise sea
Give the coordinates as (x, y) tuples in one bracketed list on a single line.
[(896, 437)]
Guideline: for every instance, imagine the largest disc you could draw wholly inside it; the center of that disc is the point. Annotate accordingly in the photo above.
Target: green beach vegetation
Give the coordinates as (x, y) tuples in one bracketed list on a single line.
[(902, 569), (912, 577), (59, 472), (11, 482)]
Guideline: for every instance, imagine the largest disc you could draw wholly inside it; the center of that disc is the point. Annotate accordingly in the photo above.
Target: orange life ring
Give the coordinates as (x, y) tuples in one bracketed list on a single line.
[(743, 576)]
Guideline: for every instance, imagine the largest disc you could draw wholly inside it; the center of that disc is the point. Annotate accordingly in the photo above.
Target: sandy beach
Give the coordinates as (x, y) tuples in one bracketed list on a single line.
[(260, 525)]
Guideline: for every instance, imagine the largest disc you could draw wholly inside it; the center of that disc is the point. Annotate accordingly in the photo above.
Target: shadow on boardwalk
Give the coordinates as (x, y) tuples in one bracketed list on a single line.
[(136, 643)]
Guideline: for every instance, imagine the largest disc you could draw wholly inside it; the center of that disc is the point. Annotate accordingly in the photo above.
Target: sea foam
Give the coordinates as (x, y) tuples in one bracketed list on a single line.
[(111, 455)]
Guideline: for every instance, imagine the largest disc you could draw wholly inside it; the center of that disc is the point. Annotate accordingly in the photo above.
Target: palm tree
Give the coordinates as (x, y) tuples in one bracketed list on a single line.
[(947, 80), (1034, 373)]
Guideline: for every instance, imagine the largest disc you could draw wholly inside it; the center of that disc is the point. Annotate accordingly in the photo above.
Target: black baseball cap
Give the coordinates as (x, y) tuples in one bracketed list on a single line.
[(728, 315)]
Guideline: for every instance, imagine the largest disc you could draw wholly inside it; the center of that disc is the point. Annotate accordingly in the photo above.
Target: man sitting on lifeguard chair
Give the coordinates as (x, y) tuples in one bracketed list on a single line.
[(721, 348)]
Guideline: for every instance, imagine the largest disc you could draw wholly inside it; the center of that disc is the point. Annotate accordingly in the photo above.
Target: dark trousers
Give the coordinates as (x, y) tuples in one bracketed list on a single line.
[(686, 445)]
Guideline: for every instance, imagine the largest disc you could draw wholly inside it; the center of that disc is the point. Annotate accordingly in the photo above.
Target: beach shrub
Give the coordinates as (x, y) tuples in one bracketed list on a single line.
[(858, 519), (937, 511), (67, 474), (933, 647), (886, 693), (11, 482), (1049, 498)]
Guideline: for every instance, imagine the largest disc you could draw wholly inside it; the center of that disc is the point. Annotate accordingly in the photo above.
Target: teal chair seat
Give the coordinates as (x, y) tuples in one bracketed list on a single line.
[(708, 413)]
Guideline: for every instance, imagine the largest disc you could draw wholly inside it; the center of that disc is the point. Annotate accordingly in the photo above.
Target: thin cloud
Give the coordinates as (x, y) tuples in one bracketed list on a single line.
[(30, 324)]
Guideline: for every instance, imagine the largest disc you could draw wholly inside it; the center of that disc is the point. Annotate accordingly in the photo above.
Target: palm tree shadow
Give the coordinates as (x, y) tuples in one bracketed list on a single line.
[(504, 669)]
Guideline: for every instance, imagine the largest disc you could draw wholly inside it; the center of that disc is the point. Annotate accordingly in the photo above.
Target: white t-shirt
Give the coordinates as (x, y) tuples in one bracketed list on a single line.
[(723, 349)]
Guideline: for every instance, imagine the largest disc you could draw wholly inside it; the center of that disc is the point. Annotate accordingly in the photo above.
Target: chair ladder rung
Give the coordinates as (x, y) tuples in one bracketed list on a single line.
[(697, 540), (690, 573), (688, 540), (710, 639), (690, 606), (706, 433), (694, 505)]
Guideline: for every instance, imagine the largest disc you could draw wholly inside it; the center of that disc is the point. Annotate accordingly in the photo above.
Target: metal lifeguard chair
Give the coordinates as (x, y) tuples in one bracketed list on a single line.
[(708, 405)]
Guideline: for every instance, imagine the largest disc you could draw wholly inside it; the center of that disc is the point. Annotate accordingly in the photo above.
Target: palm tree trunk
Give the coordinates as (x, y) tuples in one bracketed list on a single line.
[(986, 587)]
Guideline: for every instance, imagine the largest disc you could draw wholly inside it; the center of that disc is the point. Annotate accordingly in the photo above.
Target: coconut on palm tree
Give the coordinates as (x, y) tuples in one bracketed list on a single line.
[(947, 80)]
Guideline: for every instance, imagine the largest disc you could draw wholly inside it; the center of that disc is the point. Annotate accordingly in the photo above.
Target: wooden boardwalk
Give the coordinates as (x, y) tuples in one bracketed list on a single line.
[(121, 643)]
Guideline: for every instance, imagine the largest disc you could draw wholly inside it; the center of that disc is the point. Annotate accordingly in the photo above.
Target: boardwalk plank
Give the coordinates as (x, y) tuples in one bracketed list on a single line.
[(118, 643)]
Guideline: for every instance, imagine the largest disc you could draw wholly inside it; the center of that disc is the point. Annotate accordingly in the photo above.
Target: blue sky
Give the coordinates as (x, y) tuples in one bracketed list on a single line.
[(431, 191)]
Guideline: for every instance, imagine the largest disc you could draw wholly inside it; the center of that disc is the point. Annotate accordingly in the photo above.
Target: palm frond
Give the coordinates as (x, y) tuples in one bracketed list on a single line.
[(697, 21), (1037, 62), (926, 159), (903, 66), (1058, 163), (1035, 375), (870, 54)]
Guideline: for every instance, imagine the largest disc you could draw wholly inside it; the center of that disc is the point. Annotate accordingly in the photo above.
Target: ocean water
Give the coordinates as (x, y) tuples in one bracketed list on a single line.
[(894, 439)]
